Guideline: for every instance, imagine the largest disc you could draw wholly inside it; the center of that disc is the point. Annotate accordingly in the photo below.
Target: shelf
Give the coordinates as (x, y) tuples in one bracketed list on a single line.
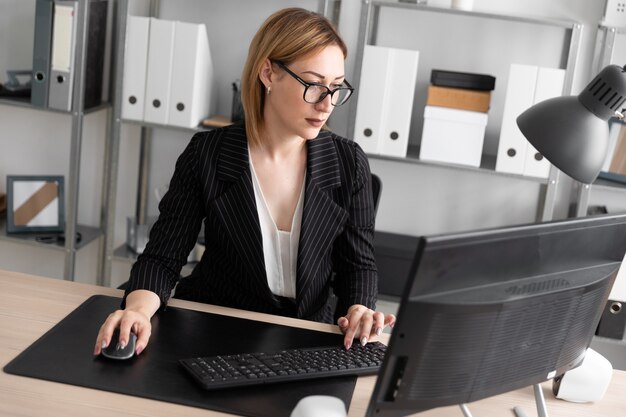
[(618, 183), (478, 13), (617, 29), (88, 235), (199, 128), (25, 103), (487, 165)]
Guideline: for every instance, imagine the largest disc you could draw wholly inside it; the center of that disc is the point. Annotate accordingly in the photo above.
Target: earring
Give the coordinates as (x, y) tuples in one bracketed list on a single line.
[(269, 90)]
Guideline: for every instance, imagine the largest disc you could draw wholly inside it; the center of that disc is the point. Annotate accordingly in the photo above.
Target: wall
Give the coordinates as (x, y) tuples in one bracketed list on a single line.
[(416, 199)]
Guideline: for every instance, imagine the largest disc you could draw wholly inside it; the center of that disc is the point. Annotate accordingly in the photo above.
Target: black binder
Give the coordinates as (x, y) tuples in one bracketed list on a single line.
[(94, 63), (41, 52)]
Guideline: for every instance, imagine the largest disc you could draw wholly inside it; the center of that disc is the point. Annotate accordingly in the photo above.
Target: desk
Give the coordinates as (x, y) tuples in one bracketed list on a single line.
[(30, 306)]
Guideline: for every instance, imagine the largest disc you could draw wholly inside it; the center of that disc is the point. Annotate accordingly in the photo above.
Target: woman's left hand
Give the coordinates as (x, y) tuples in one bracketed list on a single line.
[(363, 322)]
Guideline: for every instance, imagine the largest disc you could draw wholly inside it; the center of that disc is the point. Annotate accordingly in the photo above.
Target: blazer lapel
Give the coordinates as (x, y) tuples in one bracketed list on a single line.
[(236, 207), (322, 218)]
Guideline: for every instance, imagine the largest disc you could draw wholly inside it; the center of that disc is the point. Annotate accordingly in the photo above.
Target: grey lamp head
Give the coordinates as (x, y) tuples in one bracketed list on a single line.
[(572, 132)]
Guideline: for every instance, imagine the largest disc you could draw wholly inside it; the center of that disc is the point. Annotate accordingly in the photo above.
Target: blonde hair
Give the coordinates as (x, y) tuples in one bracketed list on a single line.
[(285, 36)]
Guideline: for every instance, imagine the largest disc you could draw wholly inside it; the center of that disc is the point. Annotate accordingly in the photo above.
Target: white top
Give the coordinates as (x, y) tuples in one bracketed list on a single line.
[(280, 248)]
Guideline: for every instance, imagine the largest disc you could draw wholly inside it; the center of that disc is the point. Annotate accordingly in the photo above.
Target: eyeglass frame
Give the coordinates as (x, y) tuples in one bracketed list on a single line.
[(306, 85)]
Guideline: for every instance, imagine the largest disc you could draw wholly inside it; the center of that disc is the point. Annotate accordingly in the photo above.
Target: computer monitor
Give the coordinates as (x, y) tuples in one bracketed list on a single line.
[(490, 311)]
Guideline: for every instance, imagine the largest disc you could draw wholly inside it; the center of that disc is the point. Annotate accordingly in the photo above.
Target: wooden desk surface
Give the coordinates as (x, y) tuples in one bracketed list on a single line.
[(30, 306)]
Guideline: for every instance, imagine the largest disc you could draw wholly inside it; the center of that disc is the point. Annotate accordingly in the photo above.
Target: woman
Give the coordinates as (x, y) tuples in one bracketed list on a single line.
[(284, 203)]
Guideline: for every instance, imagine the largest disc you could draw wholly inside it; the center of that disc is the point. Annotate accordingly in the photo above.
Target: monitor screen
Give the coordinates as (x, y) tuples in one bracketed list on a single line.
[(490, 311)]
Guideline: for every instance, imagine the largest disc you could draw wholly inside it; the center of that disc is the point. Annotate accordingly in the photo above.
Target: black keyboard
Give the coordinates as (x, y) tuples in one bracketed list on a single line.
[(223, 371)]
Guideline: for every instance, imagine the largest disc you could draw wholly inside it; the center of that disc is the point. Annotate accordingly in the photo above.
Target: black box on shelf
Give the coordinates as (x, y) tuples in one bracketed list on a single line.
[(467, 80)]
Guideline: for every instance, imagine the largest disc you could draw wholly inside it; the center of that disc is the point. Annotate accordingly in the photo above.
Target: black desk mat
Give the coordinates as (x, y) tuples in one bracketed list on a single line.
[(64, 354)]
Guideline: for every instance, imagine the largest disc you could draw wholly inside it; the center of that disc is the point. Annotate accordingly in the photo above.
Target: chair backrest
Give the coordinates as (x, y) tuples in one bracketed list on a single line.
[(377, 186)]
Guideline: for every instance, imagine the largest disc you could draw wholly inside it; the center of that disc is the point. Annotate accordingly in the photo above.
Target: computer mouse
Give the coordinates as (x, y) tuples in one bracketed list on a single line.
[(114, 351), (319, 406)]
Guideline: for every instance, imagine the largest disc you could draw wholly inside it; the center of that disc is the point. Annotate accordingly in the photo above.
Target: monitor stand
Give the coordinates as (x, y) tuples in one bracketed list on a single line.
[(542, 411)]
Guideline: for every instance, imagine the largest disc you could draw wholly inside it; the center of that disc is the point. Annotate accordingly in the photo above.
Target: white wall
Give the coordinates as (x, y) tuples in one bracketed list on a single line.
[(416, 199)]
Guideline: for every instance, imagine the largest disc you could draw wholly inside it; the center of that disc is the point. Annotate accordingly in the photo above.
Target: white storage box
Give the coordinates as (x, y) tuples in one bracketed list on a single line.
[(454, 136)]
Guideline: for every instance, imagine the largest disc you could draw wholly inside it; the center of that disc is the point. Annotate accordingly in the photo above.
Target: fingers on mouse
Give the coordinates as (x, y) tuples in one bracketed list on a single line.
[(118, 351)]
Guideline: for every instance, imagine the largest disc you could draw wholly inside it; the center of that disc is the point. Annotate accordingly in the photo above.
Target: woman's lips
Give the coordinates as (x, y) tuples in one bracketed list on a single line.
[(315, 122)]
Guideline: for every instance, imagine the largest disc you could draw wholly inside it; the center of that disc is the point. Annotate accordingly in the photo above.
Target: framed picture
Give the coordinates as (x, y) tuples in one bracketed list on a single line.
[(35, 204)]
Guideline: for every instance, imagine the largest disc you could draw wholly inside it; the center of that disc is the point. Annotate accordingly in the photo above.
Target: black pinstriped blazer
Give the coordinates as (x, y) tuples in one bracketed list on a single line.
[(212, 182)]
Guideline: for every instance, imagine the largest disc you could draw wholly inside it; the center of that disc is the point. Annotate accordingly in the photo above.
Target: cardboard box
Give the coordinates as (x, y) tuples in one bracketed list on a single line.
[(618, 162), (459, 98), (453, 136)]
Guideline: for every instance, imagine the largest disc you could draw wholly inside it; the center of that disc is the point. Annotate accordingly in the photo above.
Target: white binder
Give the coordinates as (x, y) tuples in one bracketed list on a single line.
[(135, 67), (398, 104), (367, 126), (62, 51), (159, 74), (520, 94), (193, 92), (549, 84), (385, 101)]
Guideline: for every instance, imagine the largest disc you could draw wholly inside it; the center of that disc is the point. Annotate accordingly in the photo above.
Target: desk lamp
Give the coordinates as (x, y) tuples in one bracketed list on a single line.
[(572, 131), (573, 134)]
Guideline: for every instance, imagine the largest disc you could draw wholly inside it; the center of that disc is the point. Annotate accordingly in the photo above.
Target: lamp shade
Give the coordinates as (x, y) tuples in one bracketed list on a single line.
[(572, 132)]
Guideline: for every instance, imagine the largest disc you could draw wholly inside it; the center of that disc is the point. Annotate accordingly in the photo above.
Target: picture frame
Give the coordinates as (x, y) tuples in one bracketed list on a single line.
[(35, 204)]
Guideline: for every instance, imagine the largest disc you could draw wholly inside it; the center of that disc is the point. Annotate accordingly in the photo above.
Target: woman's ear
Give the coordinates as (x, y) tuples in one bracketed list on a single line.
[(266, 73)]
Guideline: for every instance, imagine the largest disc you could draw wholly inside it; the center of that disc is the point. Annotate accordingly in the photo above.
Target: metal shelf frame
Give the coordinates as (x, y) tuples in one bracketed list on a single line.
[(77, 114), (605, 46), (602, 56), (368, 29)]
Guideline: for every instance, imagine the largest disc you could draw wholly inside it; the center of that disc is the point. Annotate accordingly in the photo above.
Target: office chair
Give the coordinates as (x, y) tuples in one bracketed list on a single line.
[(377, 187)]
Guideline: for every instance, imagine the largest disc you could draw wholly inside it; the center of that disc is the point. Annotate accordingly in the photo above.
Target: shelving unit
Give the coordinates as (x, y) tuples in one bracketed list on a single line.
[(77, 114), (107, 251), (88, 234), (604, 54), (372, 32), (487, 166), (606, 39)]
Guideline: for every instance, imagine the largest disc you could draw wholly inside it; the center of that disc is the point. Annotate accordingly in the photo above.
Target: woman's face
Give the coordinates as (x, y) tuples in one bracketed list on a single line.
[(285, 109)]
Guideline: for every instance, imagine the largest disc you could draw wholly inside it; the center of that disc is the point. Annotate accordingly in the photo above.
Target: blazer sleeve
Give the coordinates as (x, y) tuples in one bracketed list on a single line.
[(356, 276), (175, 233)]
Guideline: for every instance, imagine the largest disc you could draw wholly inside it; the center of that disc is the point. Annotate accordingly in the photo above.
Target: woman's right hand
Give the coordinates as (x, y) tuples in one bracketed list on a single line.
[(140, 307)]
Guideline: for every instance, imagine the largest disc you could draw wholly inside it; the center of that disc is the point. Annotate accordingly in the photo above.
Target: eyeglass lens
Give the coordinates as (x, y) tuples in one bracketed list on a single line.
[(316, 93)]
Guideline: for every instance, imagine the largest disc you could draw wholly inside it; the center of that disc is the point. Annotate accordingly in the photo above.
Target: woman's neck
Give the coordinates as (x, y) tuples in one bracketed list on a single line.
[(277, 145)]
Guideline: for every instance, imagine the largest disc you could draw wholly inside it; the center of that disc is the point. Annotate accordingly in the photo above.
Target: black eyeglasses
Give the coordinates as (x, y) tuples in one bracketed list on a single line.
[(315, 93)]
